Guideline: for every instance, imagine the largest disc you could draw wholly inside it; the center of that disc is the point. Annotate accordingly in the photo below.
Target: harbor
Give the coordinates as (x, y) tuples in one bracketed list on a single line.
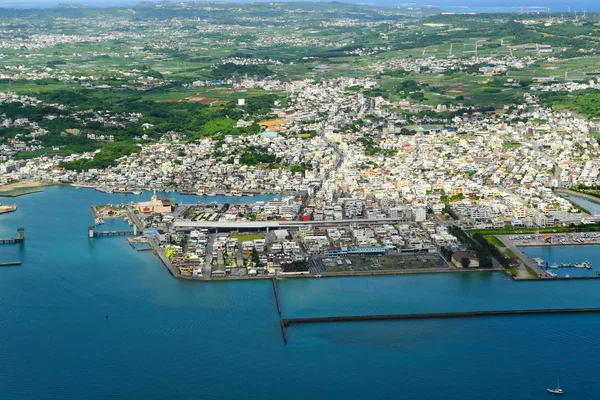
[(67, 284)]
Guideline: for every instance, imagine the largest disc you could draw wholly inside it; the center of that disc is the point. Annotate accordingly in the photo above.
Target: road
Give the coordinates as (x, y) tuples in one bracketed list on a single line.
[(522, 256)]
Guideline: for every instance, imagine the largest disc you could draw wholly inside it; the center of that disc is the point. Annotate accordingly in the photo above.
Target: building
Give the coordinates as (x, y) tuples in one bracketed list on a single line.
[(155, 205), (459, 255)]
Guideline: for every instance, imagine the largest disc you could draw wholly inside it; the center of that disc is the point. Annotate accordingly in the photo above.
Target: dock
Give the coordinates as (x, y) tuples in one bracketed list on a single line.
[(9, 263), (286, 322), (276, 294), (125, 232), (19, 239)]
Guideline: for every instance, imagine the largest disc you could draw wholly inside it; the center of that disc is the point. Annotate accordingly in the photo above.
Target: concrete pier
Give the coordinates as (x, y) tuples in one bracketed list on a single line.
[(286, 322), (19, 239), (124, 232), (113, 233), (276, 295)]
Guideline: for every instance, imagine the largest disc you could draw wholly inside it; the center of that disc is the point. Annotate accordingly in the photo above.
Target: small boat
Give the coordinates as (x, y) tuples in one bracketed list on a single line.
[(552, 274), (137, 192), (558, 390), (211, 194), (99, 221)]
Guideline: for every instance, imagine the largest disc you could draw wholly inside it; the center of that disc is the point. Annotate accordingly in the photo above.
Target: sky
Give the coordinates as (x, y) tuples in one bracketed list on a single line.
[(453, 5)]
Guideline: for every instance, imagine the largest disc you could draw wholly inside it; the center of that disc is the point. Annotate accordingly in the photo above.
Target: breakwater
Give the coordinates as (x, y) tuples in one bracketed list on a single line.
[(286, 322), (276, 295), (9, 263)]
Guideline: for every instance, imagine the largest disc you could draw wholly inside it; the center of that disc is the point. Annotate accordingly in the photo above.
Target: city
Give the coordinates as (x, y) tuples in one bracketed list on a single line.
[(297, 199)]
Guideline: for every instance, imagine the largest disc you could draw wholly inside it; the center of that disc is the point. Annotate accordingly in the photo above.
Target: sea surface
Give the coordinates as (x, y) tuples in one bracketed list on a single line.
[(171, 339)]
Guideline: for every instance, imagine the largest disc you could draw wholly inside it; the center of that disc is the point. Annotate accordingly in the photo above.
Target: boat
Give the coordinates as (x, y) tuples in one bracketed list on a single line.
[(137, 192), (558, 390), (99, 221), (552, 274), (211, 194), (554, 266)]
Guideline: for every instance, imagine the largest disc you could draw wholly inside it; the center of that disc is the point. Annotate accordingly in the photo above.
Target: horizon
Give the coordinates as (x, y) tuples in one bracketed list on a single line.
[(445, 5)]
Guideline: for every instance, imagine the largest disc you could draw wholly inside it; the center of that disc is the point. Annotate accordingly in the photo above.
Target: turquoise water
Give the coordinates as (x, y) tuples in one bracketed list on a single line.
[(171, 339)]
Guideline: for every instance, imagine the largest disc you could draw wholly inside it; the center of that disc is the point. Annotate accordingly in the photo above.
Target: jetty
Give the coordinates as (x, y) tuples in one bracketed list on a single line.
[(123, 232), (286, 322), (19, 239), (9, 263), (276, 295)]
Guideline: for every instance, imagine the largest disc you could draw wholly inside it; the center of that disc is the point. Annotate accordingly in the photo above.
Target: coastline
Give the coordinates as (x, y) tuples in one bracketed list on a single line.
[(345, 274), (23, 188)]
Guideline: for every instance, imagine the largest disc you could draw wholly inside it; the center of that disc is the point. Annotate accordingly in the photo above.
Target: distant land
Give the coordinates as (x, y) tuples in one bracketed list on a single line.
[(462, 6)]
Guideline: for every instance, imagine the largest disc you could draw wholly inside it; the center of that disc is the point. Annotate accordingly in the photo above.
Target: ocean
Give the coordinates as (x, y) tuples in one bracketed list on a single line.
[(171, 339)]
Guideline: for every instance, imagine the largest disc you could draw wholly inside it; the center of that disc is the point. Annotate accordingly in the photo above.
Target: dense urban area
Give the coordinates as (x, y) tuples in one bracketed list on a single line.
[(391, 140)]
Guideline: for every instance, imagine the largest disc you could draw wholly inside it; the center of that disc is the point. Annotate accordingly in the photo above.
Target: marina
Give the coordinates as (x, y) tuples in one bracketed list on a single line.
[(573, 261)]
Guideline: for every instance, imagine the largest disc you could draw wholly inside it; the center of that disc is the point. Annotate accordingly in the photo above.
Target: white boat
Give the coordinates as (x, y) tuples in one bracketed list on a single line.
[(552, 274), (211, 194), (137, 192), (558, 390), (99, 221)]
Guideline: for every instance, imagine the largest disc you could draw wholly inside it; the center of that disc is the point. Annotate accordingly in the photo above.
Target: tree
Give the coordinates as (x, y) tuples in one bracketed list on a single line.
[(465, 262)]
